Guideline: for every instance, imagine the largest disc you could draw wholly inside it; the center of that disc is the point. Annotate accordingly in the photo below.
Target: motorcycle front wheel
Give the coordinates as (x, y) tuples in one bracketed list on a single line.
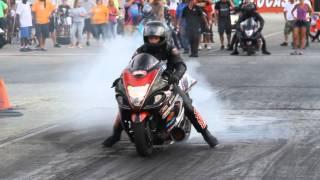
[(250, 51), (143, 138)]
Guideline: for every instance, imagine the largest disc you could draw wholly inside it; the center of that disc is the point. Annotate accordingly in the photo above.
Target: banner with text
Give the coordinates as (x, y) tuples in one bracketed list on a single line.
[(275, 6)]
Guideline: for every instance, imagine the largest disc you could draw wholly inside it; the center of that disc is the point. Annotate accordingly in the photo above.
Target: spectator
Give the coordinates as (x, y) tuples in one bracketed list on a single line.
[(140, 4), (25, 18), (193, 16), (3, 9), (182, 30), (113, 13), (78, 14), (53, 28), (88, 5), (300, 26), (207, 33), (158, 10), (316, 20), (223, 18), (43, 9), (63, 23), (100, 17), (288, 28), (308, 2), (132, 15), (11, 23), (173, 4), (64, 9)]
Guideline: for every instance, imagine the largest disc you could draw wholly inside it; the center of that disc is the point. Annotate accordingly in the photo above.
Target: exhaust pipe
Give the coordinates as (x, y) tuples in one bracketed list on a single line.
[(178, 134)]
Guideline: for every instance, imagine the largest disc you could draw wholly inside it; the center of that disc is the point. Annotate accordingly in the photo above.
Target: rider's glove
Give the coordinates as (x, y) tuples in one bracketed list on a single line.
[(167, 73), (260, 29), (173, 79)]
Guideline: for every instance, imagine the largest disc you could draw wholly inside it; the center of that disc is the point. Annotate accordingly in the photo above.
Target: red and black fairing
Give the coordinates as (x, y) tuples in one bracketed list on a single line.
[(142, 95), (146, 99)]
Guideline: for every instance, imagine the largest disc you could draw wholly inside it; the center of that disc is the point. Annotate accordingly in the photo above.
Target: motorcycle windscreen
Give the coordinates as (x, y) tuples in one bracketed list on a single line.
[(139, 77), (142, 62)]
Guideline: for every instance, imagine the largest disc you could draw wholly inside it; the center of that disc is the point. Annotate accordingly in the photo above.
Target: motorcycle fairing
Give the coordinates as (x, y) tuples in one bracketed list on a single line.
[(142, 80)]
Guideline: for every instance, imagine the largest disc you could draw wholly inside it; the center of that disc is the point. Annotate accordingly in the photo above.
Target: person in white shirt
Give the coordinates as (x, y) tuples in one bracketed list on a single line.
[(78, 14), (25, 18), (288, 28)]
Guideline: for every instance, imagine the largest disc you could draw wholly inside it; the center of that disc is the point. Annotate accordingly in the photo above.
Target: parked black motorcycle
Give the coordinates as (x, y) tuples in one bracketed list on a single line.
[(249, 37)]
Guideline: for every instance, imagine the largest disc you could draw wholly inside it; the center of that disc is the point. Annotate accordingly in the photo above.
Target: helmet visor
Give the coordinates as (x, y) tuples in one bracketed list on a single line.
[(154, 31)]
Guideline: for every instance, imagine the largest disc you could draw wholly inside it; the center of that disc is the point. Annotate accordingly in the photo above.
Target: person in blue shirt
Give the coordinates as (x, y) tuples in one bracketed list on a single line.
[(183, 33)]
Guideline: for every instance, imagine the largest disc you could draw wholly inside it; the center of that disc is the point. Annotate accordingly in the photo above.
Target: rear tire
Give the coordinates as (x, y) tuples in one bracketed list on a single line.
[(143, 138)]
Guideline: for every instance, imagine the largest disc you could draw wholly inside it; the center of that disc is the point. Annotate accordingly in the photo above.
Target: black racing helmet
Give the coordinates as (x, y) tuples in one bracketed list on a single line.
[(250, 8), (155, 28)]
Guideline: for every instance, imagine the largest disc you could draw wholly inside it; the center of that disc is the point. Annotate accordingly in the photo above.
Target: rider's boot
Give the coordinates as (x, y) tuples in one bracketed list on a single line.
[(235, 52), (209, 138), (201, 126), (265, 51), (116, 135), (264, 47), (235, 49)]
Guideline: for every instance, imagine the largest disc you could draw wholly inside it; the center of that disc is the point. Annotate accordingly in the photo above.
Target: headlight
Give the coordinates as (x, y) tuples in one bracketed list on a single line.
[(249, 32), (137, 94)]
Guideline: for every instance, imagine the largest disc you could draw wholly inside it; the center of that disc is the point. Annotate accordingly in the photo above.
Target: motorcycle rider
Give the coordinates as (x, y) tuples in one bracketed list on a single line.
[(249, 11), (156, 44), (238, 10)]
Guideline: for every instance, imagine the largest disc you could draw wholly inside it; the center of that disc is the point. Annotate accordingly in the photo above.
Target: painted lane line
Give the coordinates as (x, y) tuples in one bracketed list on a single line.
[(27, 134)]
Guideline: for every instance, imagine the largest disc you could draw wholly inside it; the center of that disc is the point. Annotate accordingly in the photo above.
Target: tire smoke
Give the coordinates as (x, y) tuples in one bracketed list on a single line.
[(95, 89)]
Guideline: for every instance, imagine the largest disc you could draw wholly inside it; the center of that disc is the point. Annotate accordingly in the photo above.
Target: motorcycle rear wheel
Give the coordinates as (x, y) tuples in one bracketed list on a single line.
[(143, 138)]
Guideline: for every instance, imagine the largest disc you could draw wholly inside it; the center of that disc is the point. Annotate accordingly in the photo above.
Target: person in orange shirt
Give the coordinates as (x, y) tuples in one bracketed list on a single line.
[(99, 20), (43, 10)]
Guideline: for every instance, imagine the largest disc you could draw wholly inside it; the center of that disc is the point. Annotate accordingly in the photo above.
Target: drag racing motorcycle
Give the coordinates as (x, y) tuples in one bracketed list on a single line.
[(150, 110), (249, 36)]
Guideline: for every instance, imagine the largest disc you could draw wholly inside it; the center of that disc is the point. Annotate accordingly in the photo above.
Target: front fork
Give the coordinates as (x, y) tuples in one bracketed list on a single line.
[(129, 119), (141, 119)]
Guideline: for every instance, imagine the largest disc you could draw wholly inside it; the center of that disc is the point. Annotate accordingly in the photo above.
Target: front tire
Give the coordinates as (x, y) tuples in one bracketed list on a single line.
[(143, 138), (250, 51)]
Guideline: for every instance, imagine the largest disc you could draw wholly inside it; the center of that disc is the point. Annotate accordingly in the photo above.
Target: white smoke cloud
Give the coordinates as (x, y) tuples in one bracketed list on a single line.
[(94, 89), (205, 101)]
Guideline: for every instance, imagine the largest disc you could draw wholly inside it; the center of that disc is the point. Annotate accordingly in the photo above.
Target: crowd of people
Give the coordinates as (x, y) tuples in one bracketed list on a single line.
[(299, 17), (191, 21)]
